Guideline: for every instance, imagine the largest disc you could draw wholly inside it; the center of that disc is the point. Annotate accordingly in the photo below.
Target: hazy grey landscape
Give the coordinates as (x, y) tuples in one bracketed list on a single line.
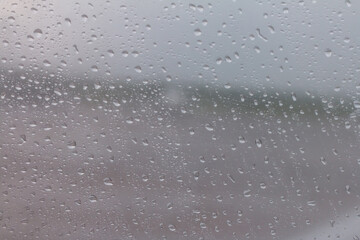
[(154, 161), (199, 120)]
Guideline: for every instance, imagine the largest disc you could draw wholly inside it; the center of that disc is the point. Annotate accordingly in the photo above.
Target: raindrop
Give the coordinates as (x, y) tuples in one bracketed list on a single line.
[(84, 18), (108, 182), (46, 63), (172, 227), (247, 193), (81, 171), (92, 198), (209, 127), (197, 32), (38, 33), (241, 139), (356, 104), (347, 187), (311, 203), (130, 120), (68, 21), (94, 68), (191, 131), (258, 143), (138, 69), (71, 145), (227, 86), (328, 52), (23, 137), (111, 53)]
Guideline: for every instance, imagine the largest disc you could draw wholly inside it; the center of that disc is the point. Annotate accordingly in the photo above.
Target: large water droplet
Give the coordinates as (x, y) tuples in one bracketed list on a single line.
[(197, 32), (108, 182), (38, 33), (328, 52), (71, 145)]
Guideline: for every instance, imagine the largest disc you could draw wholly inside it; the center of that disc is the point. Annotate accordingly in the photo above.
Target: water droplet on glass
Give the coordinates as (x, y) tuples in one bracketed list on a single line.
[(247, 193), (81, 171), (92, 198), (38, 33), (209, 127), (84, 18), (111, 53), (68, 21), (241, 139), (227, 86), (47, 63), (138, 69), (71, 145), (197, 32), (328, 52), (356, 104), (108, 182), (258, 143), (172, 227), (94, 68), (311, 203)]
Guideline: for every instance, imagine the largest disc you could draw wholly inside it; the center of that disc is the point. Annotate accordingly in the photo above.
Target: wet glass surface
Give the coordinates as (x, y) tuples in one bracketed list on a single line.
[(179, 120)]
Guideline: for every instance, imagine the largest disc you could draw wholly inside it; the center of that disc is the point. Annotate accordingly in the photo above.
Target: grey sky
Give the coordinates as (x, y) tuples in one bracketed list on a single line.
[(280, 45)]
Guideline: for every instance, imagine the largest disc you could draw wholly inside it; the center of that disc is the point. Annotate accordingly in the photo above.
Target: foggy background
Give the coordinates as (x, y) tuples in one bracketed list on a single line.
[(179, 120), (289, 45)]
